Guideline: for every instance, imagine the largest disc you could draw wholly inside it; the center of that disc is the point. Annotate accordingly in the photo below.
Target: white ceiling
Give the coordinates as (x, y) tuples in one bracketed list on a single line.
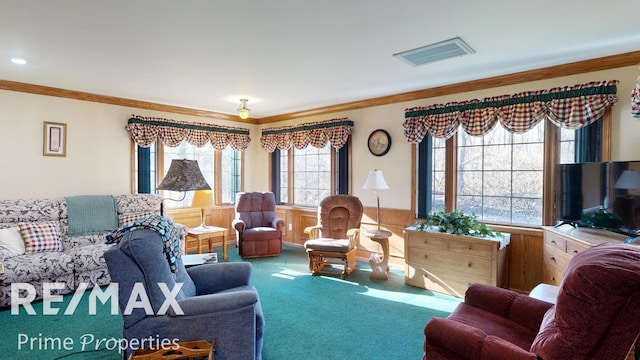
[(293, 55)]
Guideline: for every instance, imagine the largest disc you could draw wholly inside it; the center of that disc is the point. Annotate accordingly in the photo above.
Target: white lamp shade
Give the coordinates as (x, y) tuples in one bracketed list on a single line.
[(375, 181), (630, 179)]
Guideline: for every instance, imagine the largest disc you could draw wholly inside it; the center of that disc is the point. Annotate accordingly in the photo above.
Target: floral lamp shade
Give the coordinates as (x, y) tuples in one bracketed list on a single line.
[(184, 175)]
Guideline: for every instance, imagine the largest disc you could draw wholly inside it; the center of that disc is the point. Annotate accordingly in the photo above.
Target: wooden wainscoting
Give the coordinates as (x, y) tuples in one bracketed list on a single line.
[(393, 220), (525, 259)]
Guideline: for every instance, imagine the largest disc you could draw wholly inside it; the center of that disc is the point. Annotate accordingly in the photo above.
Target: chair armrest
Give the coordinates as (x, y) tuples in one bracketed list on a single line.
[(509, 304), (277, 223), (211, 278), (353, 235), (313, 231), (238, 225), (466, 342), (215, 303)]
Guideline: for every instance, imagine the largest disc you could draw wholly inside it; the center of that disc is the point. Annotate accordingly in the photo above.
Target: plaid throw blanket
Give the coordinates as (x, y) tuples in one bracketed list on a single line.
[(162, 226)]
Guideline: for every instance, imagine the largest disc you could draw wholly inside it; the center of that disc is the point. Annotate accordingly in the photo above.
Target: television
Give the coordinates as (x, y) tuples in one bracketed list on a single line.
[(590, 187)]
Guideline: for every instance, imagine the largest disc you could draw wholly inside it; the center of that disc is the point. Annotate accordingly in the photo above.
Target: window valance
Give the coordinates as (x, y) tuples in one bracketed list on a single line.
[(317, 134), (145, 130), (635, 100), (569, 107)]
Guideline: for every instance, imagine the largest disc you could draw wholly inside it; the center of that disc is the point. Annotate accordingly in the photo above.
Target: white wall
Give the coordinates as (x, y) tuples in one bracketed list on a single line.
[(98, 159), (98, 146)]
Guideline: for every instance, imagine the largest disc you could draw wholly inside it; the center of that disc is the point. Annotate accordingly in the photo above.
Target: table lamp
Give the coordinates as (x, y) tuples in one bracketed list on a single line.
[(376, 181), (202, 199)]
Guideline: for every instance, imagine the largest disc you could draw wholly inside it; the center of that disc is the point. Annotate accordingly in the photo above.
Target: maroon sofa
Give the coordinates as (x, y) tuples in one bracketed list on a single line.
[(596, 315)]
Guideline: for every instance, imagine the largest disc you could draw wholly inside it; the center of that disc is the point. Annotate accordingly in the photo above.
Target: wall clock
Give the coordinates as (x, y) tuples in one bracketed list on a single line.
[(379, 142)]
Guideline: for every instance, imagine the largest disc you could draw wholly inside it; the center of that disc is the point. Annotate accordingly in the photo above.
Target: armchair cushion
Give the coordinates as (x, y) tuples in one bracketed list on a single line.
[(323, 244), (508, 304), (445, 335), (256, 209), (211, 278)]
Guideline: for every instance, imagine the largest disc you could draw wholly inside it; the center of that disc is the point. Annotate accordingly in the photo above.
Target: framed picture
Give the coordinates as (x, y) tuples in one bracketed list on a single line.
[(379, 142), (55, 139)]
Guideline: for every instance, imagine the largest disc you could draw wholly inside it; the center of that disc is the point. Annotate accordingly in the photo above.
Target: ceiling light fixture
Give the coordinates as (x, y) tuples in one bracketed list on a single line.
[(19, 61), (243, 110)]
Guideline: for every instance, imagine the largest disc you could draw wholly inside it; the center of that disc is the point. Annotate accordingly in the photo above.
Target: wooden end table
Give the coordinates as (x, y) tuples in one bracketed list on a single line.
[(380, 267), (207, 233)]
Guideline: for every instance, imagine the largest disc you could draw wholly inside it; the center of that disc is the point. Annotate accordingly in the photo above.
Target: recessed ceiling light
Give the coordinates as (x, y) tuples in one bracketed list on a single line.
[(19, 61)]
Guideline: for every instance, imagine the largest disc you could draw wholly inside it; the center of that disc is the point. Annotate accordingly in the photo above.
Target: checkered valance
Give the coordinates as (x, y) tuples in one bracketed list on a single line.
[(317, 134), (635, 100), (569, 107), (146, 130)]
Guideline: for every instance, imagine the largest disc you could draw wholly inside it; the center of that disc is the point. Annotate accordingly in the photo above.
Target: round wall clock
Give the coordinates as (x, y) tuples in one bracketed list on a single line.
[(379, 142)]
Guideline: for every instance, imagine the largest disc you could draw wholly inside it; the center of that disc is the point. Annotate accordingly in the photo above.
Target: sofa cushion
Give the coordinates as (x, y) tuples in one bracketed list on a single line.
[(40, 237), (11, 242), (89, 257), (36, 267), (29, 210), (127, 219)]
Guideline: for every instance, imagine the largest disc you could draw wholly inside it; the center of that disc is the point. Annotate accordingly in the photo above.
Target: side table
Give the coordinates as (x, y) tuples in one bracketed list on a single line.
[(206, 233), (380, 267)]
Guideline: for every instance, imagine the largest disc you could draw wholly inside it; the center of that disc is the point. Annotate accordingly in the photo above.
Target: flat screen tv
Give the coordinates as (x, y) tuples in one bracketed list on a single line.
[(586, 188)]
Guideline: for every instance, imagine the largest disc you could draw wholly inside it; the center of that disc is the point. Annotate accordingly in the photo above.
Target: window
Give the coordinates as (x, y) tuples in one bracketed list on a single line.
[(145, 163), (312, 175), (581, 145), (230, 176), (309, 174), (282, 159), (500, 175), (431, 175)]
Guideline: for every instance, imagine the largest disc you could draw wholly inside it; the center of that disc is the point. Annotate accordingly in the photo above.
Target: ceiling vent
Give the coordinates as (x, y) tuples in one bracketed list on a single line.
[(434, 52)]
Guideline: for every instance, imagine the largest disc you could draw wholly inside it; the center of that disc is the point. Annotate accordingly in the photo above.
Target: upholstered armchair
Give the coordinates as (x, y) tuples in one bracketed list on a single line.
[(596, 315), (336, 235), (217, 300), (258, 230)]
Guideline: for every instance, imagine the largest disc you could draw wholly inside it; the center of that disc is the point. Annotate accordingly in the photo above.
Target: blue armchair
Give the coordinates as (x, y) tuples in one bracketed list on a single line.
[(217, 300)]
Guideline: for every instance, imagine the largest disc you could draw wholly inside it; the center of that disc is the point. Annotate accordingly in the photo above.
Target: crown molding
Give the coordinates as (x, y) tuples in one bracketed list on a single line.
[(578, 67)]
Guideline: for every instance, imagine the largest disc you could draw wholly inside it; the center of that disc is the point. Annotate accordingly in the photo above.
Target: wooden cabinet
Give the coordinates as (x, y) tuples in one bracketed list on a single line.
[(564, 242), (449, 263)]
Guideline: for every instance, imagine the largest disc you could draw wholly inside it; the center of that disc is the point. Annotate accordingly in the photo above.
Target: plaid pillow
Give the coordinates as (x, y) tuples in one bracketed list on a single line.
[(126, 219), (40, 237)]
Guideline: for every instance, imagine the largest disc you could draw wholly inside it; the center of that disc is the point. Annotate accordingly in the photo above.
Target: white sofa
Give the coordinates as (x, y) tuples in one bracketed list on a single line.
[(81, 257)]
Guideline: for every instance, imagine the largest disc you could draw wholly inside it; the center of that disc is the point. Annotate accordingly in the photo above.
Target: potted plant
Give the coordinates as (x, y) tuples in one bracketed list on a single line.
[(601, 219), (455, 222)]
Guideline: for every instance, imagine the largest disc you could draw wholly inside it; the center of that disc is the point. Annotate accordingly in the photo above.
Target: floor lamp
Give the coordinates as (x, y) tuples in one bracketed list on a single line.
[(375, 181)]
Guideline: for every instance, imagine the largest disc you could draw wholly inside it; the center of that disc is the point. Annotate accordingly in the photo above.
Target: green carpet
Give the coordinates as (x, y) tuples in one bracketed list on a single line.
[(306, 317)]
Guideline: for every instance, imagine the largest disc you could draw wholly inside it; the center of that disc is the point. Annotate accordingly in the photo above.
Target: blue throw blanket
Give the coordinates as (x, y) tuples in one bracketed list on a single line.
[(91, 214), (162, 226)]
